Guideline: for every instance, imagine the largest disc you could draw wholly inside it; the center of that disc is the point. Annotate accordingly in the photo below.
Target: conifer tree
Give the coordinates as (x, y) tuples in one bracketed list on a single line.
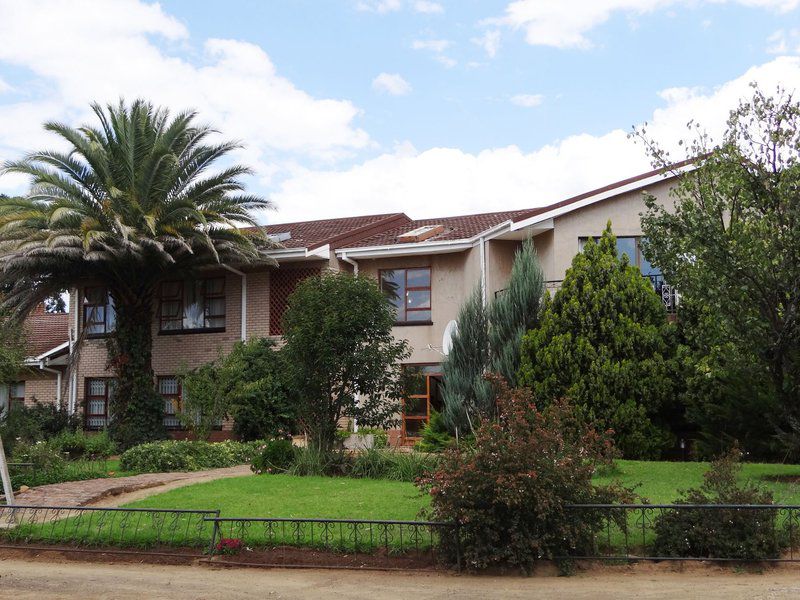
[(605, 343)]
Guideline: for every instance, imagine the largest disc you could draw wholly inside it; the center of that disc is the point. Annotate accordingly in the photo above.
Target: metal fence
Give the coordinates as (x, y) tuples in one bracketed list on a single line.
[(631, 532), (95, 527), (356, 542)]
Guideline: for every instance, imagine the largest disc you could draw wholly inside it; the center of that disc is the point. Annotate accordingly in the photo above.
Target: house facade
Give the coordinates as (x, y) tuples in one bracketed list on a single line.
[(426, 267)]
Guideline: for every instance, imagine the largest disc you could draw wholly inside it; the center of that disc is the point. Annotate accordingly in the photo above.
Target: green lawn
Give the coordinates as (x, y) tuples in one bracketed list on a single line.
[(660, 482), (297, 497)]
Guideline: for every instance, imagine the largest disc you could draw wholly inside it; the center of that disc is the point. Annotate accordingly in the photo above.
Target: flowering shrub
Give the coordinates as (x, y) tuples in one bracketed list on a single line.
[(275, 457), (726, 533), (508, 492), (229, 546)]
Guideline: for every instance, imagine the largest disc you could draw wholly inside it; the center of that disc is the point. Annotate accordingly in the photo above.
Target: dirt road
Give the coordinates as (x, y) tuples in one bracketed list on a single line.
[(41, 580)]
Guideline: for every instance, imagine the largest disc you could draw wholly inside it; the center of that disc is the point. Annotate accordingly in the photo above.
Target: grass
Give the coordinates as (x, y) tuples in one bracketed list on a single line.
[(297, 497), (661, 482)]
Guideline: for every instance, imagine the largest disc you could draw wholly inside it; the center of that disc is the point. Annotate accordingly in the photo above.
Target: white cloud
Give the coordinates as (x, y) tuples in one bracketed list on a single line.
[(391, 83), (489, 41), (447, 181), (437, 47), (432, 45), (784, 42), (4, 87), (565, 24), (379, 6), (527, 100), (100, 51), (427, 7)]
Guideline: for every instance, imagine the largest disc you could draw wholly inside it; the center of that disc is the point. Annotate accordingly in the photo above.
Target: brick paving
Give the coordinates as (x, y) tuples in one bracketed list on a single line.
[(81, 493)]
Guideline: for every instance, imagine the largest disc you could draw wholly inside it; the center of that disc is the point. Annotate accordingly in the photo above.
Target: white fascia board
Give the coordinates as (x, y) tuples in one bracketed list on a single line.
[(631, 187), (406, 249), (41, 357), (281, 254)]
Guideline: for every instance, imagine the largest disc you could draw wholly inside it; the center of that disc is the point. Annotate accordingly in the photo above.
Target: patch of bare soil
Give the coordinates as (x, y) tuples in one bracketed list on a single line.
[(49, 577)]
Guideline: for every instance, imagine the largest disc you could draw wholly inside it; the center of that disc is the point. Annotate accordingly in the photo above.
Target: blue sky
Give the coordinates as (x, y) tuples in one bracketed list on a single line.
[(432, 107)]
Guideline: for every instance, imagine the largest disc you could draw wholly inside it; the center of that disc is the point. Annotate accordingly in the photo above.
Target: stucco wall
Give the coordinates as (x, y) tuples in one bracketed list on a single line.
[(623, 211), (453, 276)]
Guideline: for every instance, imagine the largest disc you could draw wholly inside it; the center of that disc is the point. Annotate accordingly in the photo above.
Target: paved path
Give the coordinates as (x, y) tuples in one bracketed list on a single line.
[(106, 491)]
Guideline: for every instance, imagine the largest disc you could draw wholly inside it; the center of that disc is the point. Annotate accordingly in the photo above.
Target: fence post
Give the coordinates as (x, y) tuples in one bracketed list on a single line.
[(214, 530), (7, 489), (458, 546)]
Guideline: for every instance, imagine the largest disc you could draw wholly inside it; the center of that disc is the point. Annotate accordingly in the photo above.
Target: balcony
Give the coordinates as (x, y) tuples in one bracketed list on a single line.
[(668, 294)]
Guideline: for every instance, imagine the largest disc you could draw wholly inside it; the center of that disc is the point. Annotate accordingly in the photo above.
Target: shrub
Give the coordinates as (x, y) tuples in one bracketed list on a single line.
[(720, 533), (166, 456), (509, 491), (77, 444), (41, 456), (35, 423), (277, 456), (435, 436), (391, 464), (320, 463)]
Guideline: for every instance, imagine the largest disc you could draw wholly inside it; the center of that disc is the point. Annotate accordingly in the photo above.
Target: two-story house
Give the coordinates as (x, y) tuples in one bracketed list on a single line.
[(429, 265)]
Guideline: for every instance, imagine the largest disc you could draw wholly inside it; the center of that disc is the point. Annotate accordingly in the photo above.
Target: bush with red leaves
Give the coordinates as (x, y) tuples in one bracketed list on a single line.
[(508, 491)]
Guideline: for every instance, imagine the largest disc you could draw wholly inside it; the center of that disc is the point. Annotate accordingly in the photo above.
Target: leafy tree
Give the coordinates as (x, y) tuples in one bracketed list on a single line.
[(731, 245), (467, 396), (489, 339), (249, 384), (605, 343), (12, 349), (261, 402), (343, 359), (133, 201)]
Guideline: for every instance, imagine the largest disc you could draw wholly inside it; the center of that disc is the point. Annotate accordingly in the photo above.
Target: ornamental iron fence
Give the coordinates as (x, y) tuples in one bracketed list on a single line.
[(357, 542), (693, 532), (96, 527)]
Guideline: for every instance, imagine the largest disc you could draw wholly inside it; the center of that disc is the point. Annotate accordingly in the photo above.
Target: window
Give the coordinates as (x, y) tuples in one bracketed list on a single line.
[(422, 385), (409, 291), (98, 395), (193, 305), (170, 390), (99, 316), (12, 395), (632, 248)]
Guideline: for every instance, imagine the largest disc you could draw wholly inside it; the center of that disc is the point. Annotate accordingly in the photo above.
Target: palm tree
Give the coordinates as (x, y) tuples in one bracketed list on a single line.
[(138, 198)]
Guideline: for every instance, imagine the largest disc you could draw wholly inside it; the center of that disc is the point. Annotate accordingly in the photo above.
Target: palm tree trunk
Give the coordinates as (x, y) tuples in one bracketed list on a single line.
[(137, 410)]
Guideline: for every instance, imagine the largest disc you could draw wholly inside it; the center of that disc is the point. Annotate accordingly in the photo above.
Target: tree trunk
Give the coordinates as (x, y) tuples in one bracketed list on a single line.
[(137, 410)]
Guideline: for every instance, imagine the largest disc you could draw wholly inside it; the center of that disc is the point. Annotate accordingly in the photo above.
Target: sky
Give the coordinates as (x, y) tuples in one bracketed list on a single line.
[(429, 107)]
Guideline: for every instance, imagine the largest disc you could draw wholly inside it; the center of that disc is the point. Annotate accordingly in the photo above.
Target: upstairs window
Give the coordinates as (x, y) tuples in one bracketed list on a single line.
[(409, 291), (99, 316), (630, 246), (193, 305)]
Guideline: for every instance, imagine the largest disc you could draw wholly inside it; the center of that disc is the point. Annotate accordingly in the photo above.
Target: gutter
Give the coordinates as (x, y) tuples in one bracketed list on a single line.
[(58, 380), (244, 298), (350, 261)]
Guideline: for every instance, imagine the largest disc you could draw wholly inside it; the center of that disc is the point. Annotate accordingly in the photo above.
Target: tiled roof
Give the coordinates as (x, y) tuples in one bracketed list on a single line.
[(45, 331), (455, 228), (312, 234)]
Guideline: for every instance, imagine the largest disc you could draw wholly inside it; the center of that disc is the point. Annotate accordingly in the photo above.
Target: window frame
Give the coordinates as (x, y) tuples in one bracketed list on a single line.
[(429, 288), (175, 399), (16, 401), (107, 382), (180, 297), (89, 306)]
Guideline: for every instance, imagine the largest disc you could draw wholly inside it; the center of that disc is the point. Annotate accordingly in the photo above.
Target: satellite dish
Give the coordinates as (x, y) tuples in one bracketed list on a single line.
[(447, 338)]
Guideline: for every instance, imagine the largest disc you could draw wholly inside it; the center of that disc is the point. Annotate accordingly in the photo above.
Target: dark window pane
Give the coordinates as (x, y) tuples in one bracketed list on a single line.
[(419, 315), (627, 246), (414, 427)]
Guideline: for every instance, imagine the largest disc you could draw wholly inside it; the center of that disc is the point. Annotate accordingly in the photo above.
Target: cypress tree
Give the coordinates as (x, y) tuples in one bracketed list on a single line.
[(605, 343)]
